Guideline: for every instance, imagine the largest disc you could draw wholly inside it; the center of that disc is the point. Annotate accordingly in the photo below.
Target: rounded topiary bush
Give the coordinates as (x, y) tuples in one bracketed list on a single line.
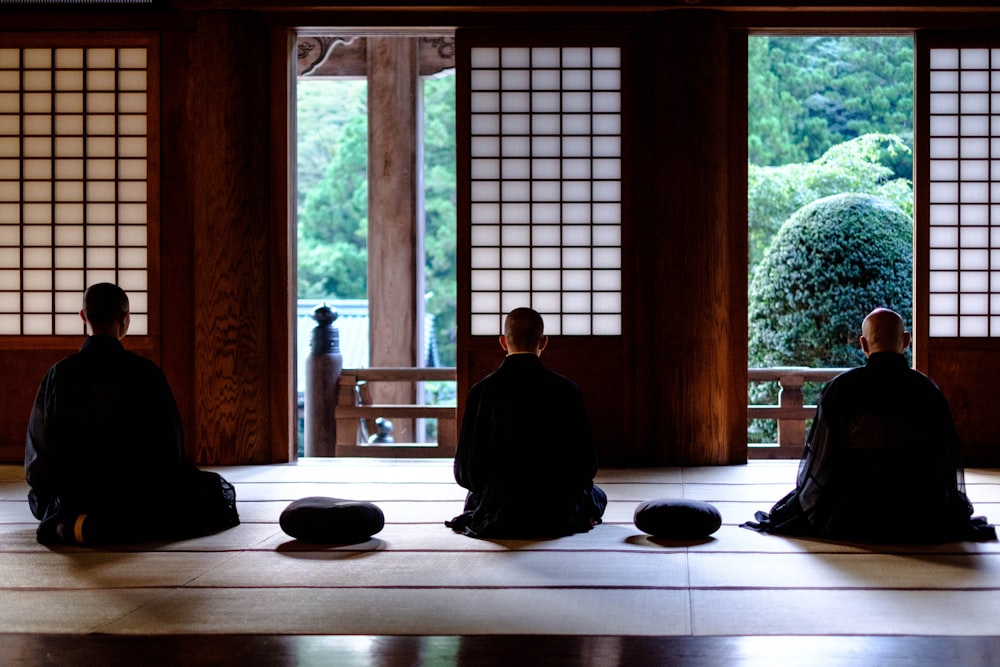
[(828, 266)]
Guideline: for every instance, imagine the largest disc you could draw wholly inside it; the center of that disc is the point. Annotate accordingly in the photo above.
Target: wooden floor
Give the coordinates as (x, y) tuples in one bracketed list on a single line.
[(419, 594), (393, 651)]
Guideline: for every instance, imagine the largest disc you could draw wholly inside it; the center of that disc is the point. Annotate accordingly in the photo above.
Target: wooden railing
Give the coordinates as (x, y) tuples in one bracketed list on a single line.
[(354, 411), (790, 413)]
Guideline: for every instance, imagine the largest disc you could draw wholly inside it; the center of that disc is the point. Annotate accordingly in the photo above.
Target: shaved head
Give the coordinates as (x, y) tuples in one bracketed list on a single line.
[(883, 331)]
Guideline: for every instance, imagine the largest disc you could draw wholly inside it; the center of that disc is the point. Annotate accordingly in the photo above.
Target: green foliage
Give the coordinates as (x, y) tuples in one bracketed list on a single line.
[(333, 206), (333, 227), (322, 109), (440, 201), (858, 165), (809, 93), (830, 264)]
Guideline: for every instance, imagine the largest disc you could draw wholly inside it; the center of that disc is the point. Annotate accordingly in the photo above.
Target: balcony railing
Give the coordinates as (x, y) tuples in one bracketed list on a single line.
[(791, 413), (355, 414)]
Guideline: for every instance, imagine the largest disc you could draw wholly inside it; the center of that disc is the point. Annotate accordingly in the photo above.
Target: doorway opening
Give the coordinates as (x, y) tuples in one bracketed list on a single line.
[(830, 213), (378, 244)]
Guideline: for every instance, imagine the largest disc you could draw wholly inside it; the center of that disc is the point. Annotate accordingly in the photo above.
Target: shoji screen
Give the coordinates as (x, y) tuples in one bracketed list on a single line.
[(544, 144), (964, 193), (957, 186), (75, 156), (546, 187)]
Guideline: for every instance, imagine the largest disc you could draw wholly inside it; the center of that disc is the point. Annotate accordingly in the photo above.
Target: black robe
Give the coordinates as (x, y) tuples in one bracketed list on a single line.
[(104, 440), (526, 454), (881, 463)]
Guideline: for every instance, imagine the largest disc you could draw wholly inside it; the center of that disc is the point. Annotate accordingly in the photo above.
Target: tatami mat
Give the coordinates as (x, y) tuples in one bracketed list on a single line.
[(418, 577)]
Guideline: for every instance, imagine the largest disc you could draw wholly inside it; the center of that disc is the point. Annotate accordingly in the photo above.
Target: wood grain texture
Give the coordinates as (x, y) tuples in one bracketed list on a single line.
[(968, 378), (697, 389), (275, 650), (177, 231), (227, 127), (282, 253), (395, 240), (23, 371)]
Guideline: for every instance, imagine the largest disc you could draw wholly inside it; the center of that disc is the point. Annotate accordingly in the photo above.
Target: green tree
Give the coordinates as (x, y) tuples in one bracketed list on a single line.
[(808, 93), (333, 223), (440, 210), (858, 165), (830, 264), (323, 108), (774, 112)]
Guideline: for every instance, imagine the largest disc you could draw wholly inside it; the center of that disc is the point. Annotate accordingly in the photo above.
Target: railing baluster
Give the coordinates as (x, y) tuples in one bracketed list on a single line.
[(350, 410), (790, 413)]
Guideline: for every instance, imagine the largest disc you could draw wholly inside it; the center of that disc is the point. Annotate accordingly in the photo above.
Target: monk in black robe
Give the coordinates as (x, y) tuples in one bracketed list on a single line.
[(525, 452), (882, 458), (104, 455)]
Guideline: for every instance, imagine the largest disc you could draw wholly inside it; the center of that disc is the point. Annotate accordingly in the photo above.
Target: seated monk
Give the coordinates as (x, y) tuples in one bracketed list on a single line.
[(104, 456), (525, 451), (881, 462)]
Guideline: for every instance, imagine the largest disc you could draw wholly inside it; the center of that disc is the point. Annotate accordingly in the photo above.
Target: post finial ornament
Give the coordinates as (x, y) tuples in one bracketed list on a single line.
[(325, 336)]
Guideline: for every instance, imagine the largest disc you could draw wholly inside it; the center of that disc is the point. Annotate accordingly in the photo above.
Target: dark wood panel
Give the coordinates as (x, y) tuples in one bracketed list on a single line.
[(699, 384), (633, 5), (22, 371), (282, 250), (968, 379), (489, 650), (176, 230), (225, 130)]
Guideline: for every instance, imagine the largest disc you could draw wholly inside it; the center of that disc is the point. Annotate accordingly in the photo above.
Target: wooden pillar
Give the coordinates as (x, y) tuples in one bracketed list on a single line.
[(217, 303), (699, 358), (395, 229)]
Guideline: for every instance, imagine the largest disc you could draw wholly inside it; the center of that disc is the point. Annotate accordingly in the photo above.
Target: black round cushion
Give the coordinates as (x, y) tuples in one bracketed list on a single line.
[(677, 517), (323, 520)]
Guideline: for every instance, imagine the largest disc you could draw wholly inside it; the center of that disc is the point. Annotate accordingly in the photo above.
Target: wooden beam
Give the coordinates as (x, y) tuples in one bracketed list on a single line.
[(346, 56)]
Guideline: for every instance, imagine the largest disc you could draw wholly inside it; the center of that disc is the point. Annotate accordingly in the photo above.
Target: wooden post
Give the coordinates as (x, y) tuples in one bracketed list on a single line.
[(323, 368), (697, 359), (395, 229), (347, 427), (791, 432)]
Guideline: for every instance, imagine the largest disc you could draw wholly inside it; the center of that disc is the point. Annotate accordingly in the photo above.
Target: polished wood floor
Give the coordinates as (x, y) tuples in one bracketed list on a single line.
[(393, 651)]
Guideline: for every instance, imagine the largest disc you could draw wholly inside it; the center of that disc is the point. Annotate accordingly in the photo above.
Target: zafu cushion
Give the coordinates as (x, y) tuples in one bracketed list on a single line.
[(677, 518), (323, 520)]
